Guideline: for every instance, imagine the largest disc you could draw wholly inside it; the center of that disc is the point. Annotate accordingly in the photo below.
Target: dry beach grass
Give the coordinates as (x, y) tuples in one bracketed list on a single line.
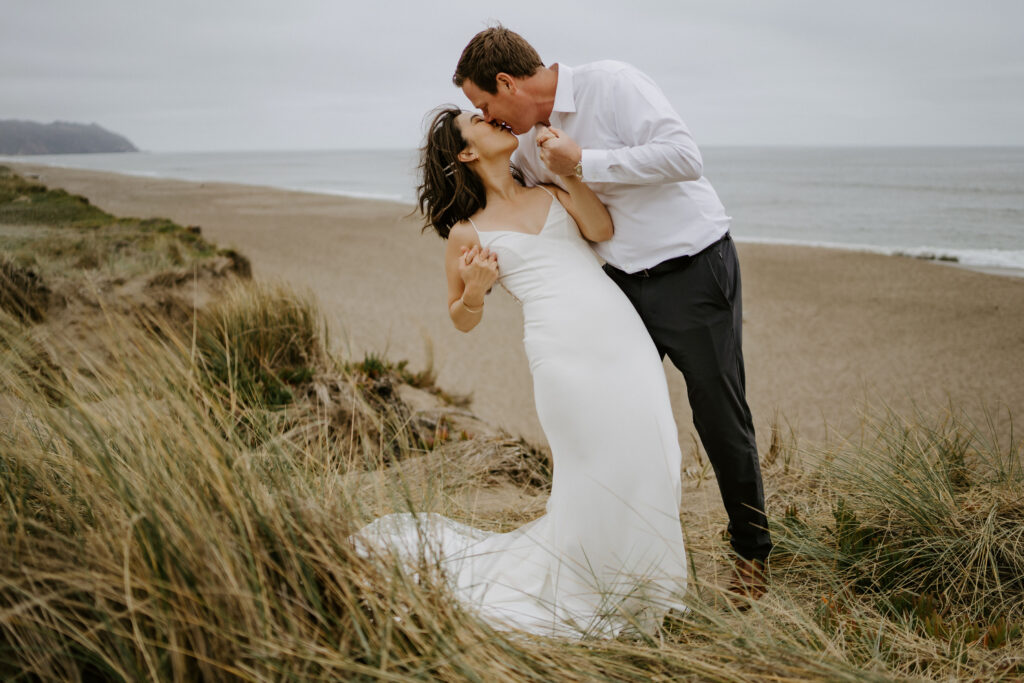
[(184, 453)]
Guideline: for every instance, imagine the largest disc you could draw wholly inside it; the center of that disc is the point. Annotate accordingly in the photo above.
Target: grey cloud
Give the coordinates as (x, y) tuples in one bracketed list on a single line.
[(235, 75)]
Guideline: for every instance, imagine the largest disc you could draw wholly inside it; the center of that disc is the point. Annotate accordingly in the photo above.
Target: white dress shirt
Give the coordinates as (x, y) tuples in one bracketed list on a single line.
[(640, 160)]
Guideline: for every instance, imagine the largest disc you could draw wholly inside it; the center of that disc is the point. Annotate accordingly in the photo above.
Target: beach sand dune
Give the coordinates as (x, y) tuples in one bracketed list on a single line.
[(828, 335)]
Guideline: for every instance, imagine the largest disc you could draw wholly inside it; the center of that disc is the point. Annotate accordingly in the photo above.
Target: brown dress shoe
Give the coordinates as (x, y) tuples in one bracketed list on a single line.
[(749, 582)]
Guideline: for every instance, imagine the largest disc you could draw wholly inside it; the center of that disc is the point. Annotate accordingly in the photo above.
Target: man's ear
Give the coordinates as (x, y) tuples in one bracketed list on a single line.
[(506, 82)]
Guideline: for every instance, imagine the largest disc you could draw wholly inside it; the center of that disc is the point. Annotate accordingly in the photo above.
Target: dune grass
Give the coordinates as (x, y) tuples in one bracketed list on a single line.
[(55, 232), (255, 341), (177, 493), (147, 535), (55, 245)]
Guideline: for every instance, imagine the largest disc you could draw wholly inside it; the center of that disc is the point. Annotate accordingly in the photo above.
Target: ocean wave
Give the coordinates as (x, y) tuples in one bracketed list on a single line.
[(378, 196), (1008, 259)]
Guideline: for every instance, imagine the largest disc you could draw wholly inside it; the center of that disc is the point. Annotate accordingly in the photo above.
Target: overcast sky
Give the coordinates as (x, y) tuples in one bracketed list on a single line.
[(306, 74)]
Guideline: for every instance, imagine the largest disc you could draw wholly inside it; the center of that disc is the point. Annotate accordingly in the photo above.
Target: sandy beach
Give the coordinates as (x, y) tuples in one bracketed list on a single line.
[(828, 335)]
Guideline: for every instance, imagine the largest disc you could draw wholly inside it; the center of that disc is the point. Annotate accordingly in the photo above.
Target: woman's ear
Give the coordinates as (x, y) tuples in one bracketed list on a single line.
[(466, 156)]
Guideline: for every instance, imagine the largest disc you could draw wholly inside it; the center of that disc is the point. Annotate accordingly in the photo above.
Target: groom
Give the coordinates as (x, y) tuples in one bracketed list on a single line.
[(672, 255)]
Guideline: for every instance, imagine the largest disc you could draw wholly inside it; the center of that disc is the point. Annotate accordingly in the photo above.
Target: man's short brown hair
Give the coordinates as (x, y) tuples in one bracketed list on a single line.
[(493, 51)]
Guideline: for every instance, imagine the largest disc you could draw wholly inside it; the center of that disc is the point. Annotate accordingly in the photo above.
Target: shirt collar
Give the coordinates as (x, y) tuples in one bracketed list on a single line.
[(565, 100)]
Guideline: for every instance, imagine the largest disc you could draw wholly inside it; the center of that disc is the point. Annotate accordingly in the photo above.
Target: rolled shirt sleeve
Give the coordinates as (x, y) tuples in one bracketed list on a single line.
[(659, 147), (640, 159)]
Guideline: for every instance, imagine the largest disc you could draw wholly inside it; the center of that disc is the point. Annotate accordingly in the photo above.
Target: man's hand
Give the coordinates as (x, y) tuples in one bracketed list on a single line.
[(558, 151)]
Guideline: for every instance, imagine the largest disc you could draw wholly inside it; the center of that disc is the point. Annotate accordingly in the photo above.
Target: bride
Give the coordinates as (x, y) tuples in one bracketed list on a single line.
[(609, 551)]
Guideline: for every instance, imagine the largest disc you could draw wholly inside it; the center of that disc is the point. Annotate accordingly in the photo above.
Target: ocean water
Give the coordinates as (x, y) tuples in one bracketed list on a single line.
[(371, 174), (963, 204), (957, 204)]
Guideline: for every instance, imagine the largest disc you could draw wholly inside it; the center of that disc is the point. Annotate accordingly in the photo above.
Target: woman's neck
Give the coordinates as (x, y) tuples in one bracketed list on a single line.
[(497, 178)]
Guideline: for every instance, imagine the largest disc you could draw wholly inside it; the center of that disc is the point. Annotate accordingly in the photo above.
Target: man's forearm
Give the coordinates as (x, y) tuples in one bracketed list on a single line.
[(653, 163)]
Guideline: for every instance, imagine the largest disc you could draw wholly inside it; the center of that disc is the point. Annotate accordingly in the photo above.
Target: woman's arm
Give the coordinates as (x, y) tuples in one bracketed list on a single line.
[(471, 270), (557, 151), (586, 209)]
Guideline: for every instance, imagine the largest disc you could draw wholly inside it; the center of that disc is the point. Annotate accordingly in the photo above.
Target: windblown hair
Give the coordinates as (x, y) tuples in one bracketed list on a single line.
[(493, 51), (449, 190)]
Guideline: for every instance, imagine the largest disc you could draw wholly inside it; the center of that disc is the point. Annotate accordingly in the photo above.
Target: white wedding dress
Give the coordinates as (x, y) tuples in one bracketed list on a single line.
[(609, 551)]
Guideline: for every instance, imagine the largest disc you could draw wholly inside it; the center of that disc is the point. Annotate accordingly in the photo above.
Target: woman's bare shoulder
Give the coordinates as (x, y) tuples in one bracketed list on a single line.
[(462, 233)]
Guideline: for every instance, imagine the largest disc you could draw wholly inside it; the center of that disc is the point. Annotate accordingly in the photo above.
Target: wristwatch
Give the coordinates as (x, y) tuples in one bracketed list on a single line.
[(579, 169)]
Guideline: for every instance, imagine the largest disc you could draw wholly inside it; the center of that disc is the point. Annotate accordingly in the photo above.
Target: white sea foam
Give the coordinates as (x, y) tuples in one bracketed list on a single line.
[(1009, 259), (377, 196)]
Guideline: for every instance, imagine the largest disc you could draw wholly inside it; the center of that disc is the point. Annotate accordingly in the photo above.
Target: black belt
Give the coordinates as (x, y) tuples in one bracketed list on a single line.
[(673, 263)]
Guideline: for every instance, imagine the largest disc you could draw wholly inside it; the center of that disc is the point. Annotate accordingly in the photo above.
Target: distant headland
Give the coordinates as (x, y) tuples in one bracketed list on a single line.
[(59, 137)]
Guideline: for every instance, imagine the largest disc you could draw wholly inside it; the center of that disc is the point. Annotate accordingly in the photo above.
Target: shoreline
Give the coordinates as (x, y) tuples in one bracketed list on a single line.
[(829, 334), (147, 175), (332, 173), (990, 260), (930, 255)]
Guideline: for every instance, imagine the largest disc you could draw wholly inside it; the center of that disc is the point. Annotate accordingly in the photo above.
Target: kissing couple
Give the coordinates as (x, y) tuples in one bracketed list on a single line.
[(559, 166)]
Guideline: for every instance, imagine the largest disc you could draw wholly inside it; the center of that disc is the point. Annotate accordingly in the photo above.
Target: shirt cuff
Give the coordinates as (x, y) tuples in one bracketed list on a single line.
[(596, 166)]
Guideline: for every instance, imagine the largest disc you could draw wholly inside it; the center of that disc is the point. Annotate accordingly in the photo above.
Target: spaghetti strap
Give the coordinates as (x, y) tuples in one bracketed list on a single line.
[(548, 191), (473, 224)]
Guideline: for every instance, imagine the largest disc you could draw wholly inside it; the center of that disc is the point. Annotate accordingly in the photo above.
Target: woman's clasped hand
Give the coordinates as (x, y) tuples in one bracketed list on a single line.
[(478, 268)]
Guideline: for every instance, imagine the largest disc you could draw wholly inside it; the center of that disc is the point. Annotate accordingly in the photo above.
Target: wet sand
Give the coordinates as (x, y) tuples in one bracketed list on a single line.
[(828, 335)]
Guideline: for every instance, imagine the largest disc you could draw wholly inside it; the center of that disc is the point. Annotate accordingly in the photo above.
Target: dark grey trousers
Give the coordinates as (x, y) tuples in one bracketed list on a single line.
[(692, 308)]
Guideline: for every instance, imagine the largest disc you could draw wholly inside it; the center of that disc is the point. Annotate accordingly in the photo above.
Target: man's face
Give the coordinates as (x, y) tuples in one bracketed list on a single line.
[(506, 106)]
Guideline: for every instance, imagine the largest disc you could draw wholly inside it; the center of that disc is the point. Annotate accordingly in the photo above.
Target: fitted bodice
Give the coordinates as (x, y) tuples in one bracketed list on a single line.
[(554, 263), (568, 302)]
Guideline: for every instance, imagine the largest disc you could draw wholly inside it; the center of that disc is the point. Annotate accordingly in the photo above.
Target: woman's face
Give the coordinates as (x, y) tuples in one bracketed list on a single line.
[(488, 140)]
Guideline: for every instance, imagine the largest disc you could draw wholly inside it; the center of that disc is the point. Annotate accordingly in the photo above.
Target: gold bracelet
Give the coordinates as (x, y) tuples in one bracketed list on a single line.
[(471, 310)]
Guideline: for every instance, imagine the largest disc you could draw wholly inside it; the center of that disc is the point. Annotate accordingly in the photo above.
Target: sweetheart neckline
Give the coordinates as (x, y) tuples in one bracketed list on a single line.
[(547, 219)]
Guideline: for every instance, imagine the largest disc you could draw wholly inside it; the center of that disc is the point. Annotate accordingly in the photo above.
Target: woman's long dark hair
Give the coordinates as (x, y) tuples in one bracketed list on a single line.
[(449, 190)]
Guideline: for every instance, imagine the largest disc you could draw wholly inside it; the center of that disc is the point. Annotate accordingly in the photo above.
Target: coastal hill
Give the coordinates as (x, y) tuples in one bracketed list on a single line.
[(59, 137), (185, 458)]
